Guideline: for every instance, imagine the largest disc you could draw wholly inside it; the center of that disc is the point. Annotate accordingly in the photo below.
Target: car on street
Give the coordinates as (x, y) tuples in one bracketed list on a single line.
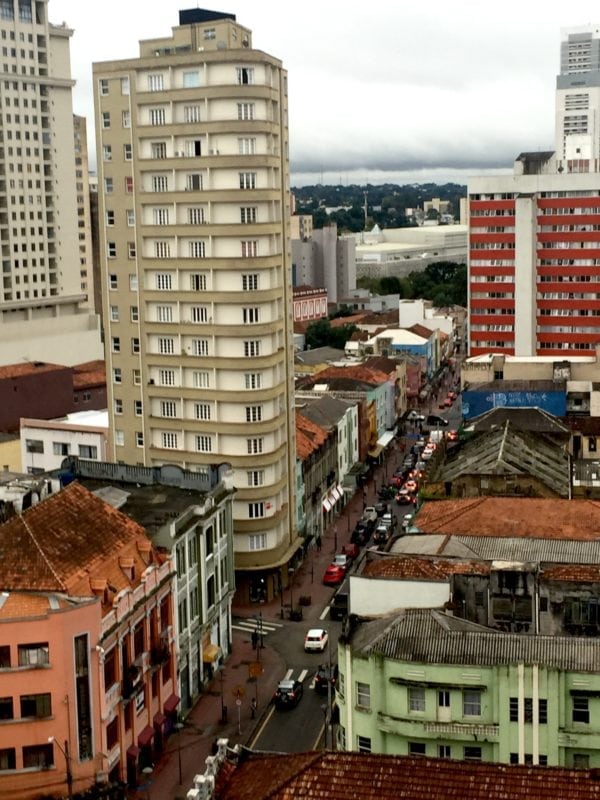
[(452, 436), (452, 395), (414, 416), (434, 419), (381, 535), (370, 514), (405, 498), (334, 575), (325, 674), (288, 694), (361, 534), (341, 560), (411, 486), (316, 640)]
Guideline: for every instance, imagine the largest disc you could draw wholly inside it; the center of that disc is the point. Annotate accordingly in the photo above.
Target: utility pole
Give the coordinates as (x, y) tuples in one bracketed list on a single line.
[(366, 194)]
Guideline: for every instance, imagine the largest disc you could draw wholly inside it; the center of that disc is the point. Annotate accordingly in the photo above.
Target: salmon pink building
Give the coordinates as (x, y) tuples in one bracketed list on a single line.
[(86, 648)]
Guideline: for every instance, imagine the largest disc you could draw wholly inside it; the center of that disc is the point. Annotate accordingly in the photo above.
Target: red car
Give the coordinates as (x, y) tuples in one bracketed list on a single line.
[(452, 436), (448, 401), (452, 395), (333, 575)]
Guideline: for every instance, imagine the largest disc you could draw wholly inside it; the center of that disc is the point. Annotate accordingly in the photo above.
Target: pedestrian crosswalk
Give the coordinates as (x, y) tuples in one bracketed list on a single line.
[(250, 625)]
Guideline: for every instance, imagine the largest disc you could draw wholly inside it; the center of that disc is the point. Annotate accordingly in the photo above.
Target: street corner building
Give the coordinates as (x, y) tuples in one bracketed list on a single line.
[(86, 647)]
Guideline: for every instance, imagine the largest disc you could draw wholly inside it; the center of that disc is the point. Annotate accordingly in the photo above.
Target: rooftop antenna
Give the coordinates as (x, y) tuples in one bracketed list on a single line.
[(366, 194)]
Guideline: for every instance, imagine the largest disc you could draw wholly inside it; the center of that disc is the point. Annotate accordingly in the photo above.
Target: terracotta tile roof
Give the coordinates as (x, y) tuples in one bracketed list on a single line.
[(520, 517), (354, 319), (309, 436), (588, 426), (421, 330), (362, 776), (92, 373), (27, 604), (577, 573), (29, 368), (67, 541), (361, 372), (411, 568), (385, 318)]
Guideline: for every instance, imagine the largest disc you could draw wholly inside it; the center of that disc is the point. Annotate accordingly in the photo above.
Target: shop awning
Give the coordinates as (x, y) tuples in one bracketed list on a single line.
[(210, 653), (375, 452), (336, 493), (146, 736), (159, 719), (171, 704), (326, 504), (133, 752), (385, 439)]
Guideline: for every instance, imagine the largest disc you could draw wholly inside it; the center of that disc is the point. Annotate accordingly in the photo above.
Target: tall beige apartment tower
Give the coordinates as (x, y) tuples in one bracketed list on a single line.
[(193, 172), (43, 313)]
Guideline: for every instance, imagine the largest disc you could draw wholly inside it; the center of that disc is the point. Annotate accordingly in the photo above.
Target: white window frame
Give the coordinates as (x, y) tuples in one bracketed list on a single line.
[(169, 440)]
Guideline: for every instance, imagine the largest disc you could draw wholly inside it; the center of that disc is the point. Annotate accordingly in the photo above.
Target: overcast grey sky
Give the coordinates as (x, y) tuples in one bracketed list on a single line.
[(387, 90)]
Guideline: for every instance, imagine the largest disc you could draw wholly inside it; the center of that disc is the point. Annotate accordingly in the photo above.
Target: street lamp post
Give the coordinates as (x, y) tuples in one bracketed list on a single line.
[(65, 753), (291, 576), (179, 727), (335, 533)]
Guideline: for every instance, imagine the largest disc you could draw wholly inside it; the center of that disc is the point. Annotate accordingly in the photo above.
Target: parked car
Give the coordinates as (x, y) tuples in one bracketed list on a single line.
[(448, 401), (389, 520), (370, 514), (452, 436), (339, 602), (316, 640), (334, 575), (361, 534), (351, 551), (414, 416), (433, 420), (341, 560), (288, 694), (381, 535), (381, 508), (326, 673), (452, 395)]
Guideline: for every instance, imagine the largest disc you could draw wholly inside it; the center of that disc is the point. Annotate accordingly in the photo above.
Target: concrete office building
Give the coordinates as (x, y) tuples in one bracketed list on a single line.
[(43, 309), (194, 214), (322, 258)]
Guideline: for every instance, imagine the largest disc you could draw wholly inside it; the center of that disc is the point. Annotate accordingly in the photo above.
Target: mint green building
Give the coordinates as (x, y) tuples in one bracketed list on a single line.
[(423, 682)]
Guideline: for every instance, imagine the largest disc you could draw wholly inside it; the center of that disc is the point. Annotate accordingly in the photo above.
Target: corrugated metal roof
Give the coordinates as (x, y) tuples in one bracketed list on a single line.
[(427, 636)]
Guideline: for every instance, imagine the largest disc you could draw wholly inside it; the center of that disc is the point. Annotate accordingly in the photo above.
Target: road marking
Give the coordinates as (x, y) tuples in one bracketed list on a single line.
[(324, 613), (259, 732), (313, 682), (288, 674), (302, 675), (319, 737)]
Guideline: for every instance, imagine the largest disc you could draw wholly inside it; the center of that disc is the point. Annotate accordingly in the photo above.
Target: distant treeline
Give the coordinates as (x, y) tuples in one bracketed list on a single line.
[(444, 283), (386, 203)]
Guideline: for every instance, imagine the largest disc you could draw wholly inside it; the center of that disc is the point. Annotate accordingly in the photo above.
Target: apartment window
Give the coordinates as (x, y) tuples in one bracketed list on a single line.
[(245, 75), (134, 313), (125, 86), (6, 708), (156, 83), (160, 183), (34, 446), (247, 146), (115, 344), (250, 315), (581, 709), (201, 379), (471, 703), (157, 116), (38, 756), (160, 216), (32, 655), (133, 283), (126, 119), (444, 751), (36, 705), (198, 282), (182, 615), (168, 408), (256, 510), (247, 180), (130, 217), (114, 313), (193, 182), (166, 377), (128, 185), (106, 152), (111, 249), (118, 405), (139, 439), (191, 79), (253, 413), (158, 149), (196, 216), (108, 185), (416, 699), (60, 448), (197, 249), (254, 445), (119, 438), (204, 444), (253, 380), (249, 249), (202, 411), (528, 710), (580, 760), (4, 656), (164, 281), (417, 749), (103, 84), (169, 441), (166, 345), (137, 377), (106, 119), (88, 451), (252, 348), (164, 313), (363, 695), (137, 408), (250, 281), (245, 110), (117, 376), (247, 214), (472, 753), (127, 152), (363, 744), (131, 249), (200, 347), (110, 218), (257, 541), (209, 33), (191, 114), (162, 249), (256, 477), (199, 314)]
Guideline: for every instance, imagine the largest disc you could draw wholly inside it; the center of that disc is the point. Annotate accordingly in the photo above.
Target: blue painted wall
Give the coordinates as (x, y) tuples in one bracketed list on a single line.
[(476, 402)]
